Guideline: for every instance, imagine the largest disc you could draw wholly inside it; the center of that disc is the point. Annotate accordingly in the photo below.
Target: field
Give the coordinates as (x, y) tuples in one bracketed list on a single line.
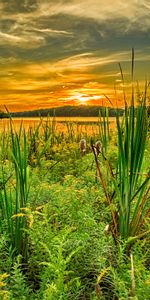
[(75, 217)]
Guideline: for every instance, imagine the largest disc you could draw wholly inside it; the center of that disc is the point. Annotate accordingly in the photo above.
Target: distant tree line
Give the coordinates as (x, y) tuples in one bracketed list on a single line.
[(3, 115), (68, 111)]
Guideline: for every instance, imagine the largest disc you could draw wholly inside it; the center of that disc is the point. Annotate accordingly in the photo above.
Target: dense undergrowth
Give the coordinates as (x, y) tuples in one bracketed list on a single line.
[(55, 237), (74, 222)]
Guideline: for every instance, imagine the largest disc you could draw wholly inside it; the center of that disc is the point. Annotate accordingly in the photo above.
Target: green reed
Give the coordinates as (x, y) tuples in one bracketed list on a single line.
[(40, 140), (33, 141), (133, 189), (13, 199), (104, 130), (130, 196)]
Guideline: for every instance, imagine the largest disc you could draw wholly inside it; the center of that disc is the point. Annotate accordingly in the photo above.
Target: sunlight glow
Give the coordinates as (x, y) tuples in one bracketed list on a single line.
[(85, 98)]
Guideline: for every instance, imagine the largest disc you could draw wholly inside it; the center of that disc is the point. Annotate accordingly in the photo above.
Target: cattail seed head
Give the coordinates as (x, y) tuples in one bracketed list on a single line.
[(82, 145), (98, 146)]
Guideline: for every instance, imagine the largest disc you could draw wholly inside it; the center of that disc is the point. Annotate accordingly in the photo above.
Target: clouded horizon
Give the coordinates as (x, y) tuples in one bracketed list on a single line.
[(55, 53)]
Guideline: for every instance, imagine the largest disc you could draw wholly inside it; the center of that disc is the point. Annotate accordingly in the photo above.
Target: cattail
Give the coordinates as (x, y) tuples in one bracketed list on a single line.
[(82, 146), (98, 146)]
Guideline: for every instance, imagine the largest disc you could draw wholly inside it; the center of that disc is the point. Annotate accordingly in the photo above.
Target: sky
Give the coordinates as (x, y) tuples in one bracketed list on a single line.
[(58, 52)]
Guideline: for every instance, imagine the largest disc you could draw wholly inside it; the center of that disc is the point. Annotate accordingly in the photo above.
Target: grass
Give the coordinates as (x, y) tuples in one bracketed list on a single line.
[(13, 200), (64, 234), (104, 130), (131, 189), (59, 212)]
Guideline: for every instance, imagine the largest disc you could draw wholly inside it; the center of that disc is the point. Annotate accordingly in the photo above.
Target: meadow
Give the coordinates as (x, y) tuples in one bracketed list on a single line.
[(75, 209)]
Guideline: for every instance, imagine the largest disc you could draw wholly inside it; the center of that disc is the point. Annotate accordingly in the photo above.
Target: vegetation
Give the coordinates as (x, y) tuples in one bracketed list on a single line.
[(58, 238), (69, 111), (75, 220), (3, 115)]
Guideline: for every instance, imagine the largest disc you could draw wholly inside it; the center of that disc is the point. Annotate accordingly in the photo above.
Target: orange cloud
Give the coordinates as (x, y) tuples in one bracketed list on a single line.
[(74, 81)]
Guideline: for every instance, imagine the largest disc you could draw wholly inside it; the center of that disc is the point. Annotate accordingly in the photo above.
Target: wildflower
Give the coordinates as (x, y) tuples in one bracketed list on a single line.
[(98, 146), (107, 229), (18, 215), (2, 278), (30, 220), (82, 146)]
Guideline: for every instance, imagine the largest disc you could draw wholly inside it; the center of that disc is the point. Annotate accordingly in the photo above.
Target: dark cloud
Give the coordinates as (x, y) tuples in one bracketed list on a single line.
[(70, 42), (19, 6)]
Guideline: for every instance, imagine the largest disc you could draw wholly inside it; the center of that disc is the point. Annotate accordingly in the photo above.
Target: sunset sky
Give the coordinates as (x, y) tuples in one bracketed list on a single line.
[(57, 52)]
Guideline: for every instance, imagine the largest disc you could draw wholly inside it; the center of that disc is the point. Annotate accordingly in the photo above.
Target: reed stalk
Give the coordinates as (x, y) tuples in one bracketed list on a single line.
[(13, 199), (131, 187)]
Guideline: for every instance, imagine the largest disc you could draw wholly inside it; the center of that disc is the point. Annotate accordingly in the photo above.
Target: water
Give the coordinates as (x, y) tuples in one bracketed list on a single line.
[(85, 122)]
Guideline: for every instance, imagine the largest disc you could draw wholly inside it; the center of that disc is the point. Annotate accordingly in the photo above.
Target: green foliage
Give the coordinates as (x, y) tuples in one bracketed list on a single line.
[(133, 190), (54, 211), (15, 199), (129, 203), (104, 130), (20, 290), (122, 278), (68, 206)]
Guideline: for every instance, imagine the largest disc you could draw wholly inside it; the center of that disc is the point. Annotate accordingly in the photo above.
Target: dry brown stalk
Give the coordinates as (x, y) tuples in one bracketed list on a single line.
[(106, 192)]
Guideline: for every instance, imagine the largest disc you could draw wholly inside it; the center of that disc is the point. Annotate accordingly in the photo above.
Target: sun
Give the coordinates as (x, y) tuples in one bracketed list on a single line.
[(83, 98)]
